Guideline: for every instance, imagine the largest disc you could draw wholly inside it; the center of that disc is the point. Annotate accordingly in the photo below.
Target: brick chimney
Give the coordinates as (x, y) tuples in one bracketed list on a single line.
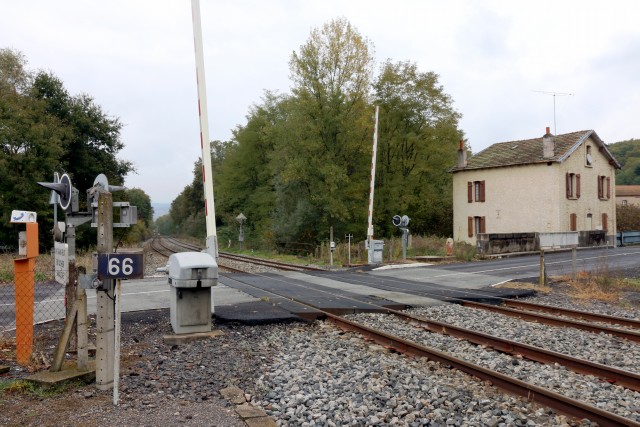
[(462, 155), (548, 145)]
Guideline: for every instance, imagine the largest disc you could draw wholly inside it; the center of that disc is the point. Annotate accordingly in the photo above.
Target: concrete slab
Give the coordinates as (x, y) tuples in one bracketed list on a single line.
[(234, 395), (69, 372), (295, 287), (260, 312), (448, 278), (179, 339), (360, 289), (249, 411)]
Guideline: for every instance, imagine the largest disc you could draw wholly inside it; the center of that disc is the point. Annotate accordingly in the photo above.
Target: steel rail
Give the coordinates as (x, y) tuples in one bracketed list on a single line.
[(267, 263), (632, 323), (618, 376), (509, 384), (515, 386), (160, 251), (555, 321), (182, 244)]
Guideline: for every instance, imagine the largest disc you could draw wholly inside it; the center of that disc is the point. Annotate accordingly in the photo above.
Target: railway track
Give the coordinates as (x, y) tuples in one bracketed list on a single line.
[(267, 263), (166, 246), (626, 328), (510, 384)]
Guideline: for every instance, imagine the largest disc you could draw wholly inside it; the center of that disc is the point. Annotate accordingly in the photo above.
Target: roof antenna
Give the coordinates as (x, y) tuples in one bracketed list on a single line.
[(555, 130)]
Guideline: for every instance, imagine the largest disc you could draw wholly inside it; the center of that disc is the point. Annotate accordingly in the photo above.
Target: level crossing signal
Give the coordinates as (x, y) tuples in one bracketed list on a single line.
[(62, 188)]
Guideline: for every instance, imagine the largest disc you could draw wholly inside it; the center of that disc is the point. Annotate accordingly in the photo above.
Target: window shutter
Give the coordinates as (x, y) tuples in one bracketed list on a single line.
[(568, 182), (483, 228), (482, 191), (469, 192), (608, 189), (578, 186), (573, 222), (599, 187), (605, 220), (470, 225)]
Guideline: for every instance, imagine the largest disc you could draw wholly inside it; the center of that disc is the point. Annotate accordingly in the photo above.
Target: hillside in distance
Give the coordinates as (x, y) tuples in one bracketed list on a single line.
[(627, 153)]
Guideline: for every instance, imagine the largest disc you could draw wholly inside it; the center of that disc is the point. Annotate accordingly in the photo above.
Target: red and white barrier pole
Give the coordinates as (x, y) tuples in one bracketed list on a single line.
[(207, 176), (373, 180)]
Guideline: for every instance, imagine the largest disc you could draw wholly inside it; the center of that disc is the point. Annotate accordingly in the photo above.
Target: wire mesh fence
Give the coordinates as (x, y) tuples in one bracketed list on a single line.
[(32, 297)]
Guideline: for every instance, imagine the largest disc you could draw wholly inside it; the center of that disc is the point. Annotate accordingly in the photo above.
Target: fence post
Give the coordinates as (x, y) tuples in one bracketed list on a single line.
[(543, 273)]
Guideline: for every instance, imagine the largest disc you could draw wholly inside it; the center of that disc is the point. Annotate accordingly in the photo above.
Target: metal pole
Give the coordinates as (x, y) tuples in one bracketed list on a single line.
[(373, 179), (105, 310), (116, 361), (542, 272), (573, 264), (331, 247), (349, 236), (209, 205), (404, 243)]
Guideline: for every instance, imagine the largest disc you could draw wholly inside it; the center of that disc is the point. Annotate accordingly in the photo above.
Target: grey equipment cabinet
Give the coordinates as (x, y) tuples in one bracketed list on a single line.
[(191, 276)]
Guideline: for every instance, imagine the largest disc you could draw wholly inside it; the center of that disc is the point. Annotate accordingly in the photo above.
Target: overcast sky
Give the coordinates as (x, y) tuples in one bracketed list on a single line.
[(136, 59)]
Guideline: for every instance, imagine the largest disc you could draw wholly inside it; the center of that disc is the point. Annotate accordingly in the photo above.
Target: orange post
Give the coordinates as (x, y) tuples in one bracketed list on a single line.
[(23, 268)]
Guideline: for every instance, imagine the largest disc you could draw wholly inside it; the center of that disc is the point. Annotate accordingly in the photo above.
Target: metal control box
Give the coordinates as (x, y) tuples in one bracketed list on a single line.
[(376, 248), (192, 270), (191, 276)]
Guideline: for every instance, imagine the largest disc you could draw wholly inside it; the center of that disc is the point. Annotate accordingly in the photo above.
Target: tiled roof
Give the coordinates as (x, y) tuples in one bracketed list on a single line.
[(529, 151), (627, 190)]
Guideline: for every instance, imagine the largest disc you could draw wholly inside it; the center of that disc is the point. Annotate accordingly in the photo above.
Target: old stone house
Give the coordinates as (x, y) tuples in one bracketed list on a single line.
[(511, 191), (628, 195)]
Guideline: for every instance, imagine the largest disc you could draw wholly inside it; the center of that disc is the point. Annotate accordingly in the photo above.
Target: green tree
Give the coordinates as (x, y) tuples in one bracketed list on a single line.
[(244, 181), (44, 129), (142, 230), (164, 225), (628, 155), (320, 160), (91, 138), (137, 197), (30, 146), (418, 136), (187, 210)]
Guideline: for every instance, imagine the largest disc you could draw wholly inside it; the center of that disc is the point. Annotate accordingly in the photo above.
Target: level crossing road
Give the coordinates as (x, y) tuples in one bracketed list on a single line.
[(154, 293), (615, 261)]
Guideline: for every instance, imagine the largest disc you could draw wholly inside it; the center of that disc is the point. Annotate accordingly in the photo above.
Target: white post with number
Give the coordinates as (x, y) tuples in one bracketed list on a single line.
[(116, 361)]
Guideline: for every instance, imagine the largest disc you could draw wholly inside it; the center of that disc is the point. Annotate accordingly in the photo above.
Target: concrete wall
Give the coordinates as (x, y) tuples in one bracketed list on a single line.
[(532, 198)]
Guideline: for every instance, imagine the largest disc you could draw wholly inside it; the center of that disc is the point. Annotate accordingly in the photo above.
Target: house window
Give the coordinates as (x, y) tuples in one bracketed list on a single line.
[(573, 185), (475, 191), (605, 220), (573, 222), (604, 187), (476, 225), (624, 203), (588, 161)]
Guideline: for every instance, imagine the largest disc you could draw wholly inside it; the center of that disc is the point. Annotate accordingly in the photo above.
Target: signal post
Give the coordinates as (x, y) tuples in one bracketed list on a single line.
[(107, 266)]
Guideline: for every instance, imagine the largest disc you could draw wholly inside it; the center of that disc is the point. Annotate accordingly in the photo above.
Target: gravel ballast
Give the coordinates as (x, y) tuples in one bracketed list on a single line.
[(316, 375)]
